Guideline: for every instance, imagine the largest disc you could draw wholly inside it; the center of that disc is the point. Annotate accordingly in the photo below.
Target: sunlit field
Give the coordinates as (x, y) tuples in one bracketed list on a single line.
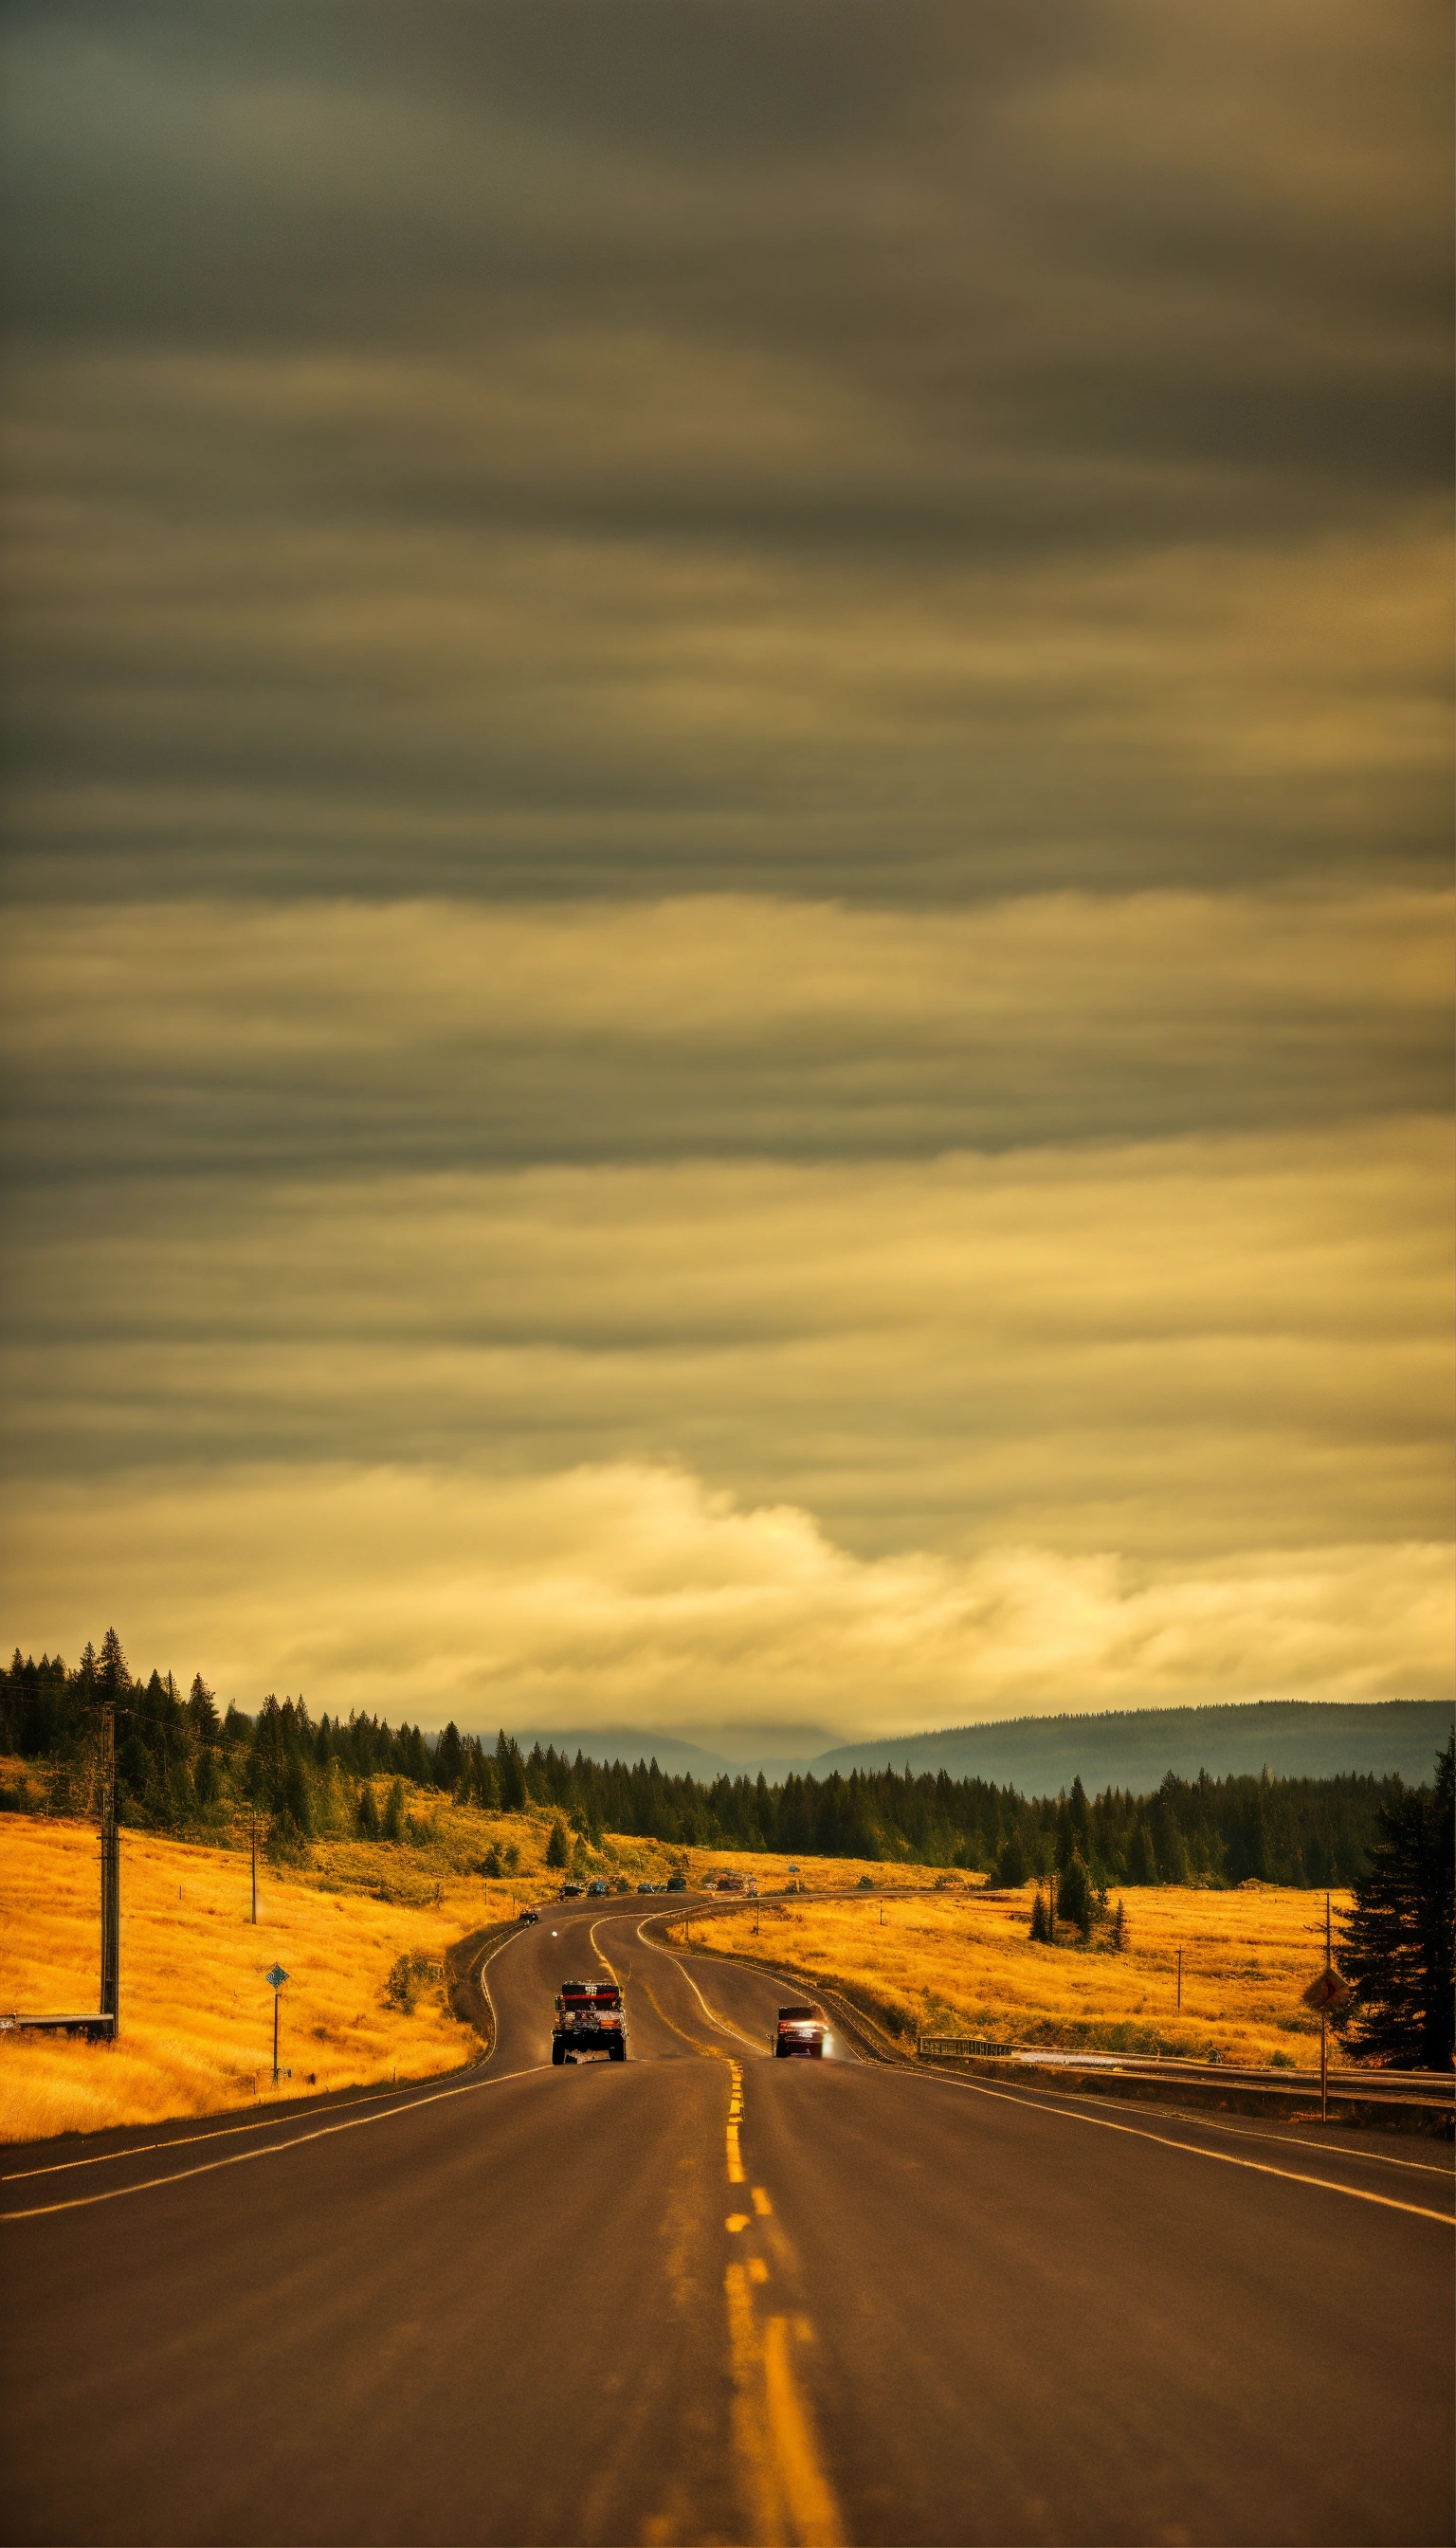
[(962, 1962), (197, 2015)]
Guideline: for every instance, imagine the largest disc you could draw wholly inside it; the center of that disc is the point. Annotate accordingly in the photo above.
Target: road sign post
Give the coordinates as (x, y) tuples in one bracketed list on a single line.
[(1329, 1992), (275, 1977)]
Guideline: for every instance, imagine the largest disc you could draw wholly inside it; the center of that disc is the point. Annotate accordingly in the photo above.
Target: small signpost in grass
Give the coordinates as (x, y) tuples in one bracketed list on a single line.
[(275, 1977)]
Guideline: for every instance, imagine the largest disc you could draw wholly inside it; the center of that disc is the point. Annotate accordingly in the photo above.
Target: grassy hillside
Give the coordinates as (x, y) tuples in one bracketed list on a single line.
[(962, 1962), (1135, 1750), (197, 2015)]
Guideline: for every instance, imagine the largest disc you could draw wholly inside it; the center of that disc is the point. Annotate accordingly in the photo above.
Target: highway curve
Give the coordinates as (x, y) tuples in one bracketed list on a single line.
[(709, 2296)]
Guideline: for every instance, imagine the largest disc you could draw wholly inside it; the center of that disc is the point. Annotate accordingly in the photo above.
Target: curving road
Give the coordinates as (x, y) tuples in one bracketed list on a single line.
[(714, 2297)]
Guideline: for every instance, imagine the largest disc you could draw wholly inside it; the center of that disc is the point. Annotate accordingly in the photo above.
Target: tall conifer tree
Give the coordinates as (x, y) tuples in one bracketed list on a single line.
[(1398, 1944)]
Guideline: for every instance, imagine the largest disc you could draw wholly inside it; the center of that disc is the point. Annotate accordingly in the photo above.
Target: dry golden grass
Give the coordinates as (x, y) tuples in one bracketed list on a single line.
[(197, 2015), (963, 1963)]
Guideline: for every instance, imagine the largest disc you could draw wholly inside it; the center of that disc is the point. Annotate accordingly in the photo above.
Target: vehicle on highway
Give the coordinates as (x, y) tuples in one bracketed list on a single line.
[(596, 1885), (591, 2017), (570, 1892), (647, 1888), (800, 2032), (733, 1882), (676, 1885), (528, 1919)]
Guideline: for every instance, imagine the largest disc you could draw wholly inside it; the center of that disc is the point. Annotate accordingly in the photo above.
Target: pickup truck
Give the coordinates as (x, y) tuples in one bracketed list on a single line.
[(591, 2017)]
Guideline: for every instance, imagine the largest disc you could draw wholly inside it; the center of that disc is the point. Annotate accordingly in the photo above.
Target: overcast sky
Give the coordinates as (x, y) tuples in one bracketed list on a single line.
[(727, 980)]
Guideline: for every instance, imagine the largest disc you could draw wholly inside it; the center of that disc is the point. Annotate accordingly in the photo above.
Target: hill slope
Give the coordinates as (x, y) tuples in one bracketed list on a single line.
[(1291, 1738)]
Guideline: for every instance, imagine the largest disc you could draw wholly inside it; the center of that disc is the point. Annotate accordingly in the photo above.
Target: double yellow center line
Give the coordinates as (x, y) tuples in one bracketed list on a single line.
[(773, 2430)]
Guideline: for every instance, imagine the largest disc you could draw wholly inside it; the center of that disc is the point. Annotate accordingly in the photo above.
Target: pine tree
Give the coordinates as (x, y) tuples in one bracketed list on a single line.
[(367, 1813), (1074, 1895), (113, 1678), (202, 1707), (1120, 1925), (394, 1811), (1041, 1925), (556, 1848), (1010, 1860), (1396, 1945), (1141, 1862), (510, 1773)]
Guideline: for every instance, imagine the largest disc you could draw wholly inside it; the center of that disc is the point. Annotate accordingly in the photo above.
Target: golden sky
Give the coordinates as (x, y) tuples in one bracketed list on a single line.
[(727, 975)]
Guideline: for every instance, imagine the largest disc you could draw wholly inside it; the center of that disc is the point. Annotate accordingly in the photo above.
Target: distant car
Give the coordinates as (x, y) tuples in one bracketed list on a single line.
[(647, 1888), (570, 1892), (800, 2032), (596, 1885), (528, 1919), (676, 1885)]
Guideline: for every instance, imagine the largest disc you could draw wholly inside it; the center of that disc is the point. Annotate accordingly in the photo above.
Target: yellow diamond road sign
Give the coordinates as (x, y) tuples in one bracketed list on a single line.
[(1329, 1992)]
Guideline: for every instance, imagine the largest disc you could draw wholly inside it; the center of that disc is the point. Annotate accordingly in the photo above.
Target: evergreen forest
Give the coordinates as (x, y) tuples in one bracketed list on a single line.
[(186, 1767)]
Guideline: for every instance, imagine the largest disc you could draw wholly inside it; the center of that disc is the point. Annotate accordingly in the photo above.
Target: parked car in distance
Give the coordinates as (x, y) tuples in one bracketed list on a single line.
[(528, 1919), (570, 1892), (596, 1885), (801, 2031), (647, 1888), (676, 1884)]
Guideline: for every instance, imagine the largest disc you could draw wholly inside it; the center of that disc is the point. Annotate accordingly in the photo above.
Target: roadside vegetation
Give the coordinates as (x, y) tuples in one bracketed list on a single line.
[(964, 1962), (360, 1927)]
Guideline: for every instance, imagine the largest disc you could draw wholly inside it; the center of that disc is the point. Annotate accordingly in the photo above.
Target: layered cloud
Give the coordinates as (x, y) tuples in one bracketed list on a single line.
[(726, 853), (580, 1598), (648, 451)]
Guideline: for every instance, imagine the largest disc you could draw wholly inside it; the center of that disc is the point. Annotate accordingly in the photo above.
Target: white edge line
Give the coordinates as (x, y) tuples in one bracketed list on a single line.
[(227, 2132), (724, 2024), (1222, 2158), (272, 2150), (267, 2122)]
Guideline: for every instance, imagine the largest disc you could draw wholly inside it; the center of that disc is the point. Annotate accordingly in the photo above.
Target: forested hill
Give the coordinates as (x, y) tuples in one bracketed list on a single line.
[(184, 1767), (1291, 1738)]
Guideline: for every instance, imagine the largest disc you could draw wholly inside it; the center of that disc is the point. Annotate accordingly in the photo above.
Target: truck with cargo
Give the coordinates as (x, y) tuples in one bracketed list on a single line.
[(591, 2017)]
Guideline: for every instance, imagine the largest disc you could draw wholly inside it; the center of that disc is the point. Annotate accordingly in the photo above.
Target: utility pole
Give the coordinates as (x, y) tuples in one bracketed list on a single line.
[(1180, 1977), (111, 1874), (256, 1864), (1324, 2030)]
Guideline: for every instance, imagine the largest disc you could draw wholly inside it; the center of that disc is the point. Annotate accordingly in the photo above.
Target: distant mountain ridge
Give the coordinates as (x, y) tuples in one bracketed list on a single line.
[(1293, 1738)]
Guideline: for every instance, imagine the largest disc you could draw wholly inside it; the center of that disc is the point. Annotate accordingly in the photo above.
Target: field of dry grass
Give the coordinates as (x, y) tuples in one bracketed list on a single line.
[(963, 1963), (197, 2014)]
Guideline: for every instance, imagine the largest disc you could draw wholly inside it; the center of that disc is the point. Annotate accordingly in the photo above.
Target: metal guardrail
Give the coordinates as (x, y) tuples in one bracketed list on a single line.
[(1391, 2085), (959, 2047)]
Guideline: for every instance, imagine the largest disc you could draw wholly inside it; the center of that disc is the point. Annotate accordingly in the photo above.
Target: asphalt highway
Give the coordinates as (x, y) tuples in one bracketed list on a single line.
[(713, 2297)]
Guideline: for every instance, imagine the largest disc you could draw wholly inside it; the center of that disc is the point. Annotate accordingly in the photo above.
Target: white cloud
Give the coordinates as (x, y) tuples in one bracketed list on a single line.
[(631, 1594)]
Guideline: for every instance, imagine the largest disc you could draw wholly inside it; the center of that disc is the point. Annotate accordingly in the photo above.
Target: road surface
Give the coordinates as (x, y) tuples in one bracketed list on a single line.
[(709, 2296)]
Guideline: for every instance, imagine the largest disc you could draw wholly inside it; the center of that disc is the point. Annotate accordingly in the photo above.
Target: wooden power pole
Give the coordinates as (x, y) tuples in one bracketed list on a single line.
[(111, 1874)]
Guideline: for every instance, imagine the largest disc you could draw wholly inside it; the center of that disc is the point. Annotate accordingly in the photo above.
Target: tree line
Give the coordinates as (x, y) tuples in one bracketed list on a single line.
[(181, 1760)]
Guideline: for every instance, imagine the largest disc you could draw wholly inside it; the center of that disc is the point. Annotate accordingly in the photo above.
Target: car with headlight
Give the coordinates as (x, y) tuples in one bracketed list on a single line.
[(801, 2033)]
